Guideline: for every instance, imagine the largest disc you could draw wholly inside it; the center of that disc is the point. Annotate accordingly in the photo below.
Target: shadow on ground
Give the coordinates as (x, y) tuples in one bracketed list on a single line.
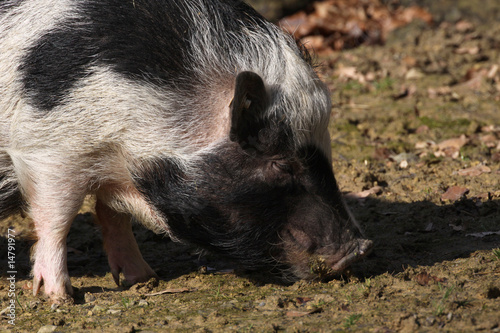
[(405, 234)]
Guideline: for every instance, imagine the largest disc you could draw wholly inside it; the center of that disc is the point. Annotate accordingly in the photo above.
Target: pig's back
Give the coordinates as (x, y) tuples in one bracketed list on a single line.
[(152, 76)]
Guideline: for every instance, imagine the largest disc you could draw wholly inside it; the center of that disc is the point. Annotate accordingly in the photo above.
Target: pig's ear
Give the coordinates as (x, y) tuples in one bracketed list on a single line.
[(249, 104)]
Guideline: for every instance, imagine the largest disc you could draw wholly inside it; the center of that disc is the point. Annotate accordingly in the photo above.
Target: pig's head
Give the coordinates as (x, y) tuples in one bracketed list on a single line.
[(257, 198)]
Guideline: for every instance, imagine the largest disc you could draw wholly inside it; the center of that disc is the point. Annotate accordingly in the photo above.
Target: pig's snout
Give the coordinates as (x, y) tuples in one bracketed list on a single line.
[(326, 265), (356, 249), (312, 256)]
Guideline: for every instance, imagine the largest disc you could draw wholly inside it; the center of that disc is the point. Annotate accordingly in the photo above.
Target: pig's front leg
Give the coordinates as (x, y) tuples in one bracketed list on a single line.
[(49, 257), (52, 213), (124, 255)]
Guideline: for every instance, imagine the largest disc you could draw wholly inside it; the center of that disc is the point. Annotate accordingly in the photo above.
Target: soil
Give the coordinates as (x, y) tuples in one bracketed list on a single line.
[(416, 145)]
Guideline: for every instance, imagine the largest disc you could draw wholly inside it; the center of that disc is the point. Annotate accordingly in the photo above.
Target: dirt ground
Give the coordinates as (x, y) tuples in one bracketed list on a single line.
[(416, 145)]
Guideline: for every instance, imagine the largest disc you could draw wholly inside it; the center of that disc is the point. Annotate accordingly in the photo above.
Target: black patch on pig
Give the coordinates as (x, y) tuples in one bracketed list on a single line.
[(143, 40), (7, 6), (240, 205)]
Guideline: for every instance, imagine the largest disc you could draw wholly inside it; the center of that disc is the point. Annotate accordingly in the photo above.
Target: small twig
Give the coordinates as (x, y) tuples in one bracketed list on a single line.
[(170, 291)]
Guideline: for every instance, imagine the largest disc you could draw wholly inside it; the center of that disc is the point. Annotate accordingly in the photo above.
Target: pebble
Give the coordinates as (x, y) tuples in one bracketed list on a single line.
[(47, 329), (114, 311), (89, 298), (97, 308)]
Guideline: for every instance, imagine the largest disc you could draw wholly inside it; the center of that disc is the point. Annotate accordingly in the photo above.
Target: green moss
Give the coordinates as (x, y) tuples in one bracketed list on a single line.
[(384, 84), (457, 124)]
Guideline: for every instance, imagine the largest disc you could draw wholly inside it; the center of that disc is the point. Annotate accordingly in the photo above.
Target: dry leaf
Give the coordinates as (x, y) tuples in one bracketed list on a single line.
[(489, 140), (350, 73), (451, 147), (456, 227), (424, 144), (169, 291), (467, 50), (464, 26), (453, 143), (454, 193), (424, 278), (303, 313), (439, 91), (492, 72), (303, 300), (474, 171), (349, 23), (365, 193), (316, 43), (414, 73)]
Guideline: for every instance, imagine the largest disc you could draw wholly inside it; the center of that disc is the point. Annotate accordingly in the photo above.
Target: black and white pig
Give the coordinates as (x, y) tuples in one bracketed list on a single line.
[(198, 118)]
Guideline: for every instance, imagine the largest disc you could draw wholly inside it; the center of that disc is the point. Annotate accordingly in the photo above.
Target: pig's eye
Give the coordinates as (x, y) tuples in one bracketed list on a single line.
[(281, 166)]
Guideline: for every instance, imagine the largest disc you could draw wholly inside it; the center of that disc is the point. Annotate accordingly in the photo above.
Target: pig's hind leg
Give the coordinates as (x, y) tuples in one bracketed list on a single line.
[(123, 252)]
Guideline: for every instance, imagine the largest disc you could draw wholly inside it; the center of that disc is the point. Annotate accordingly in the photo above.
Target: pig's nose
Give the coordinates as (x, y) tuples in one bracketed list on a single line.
[(365, 246), (357, 249)]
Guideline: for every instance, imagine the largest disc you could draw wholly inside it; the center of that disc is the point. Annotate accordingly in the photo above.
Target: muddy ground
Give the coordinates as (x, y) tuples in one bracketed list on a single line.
[(416, 145)]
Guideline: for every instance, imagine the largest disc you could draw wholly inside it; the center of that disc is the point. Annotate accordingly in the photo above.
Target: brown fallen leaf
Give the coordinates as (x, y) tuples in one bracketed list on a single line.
[(303, 313), (424, 278), (490, 128), (474, 79), (347, 73), (381, 153), (439, 91), (453, 143), (492, 72), (317, 44), (303, 300), (474, 171), (414, 73), (464, 26), (454, 193), (170, 291), (456, 227), (467, 50), (365, 193), (424, 144), (489, 140), (451, 147), (349, 23)]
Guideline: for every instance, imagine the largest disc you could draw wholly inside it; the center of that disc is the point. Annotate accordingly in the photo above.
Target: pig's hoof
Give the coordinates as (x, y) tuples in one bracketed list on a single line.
[(133, 275), (146, 286), (59, 293)]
